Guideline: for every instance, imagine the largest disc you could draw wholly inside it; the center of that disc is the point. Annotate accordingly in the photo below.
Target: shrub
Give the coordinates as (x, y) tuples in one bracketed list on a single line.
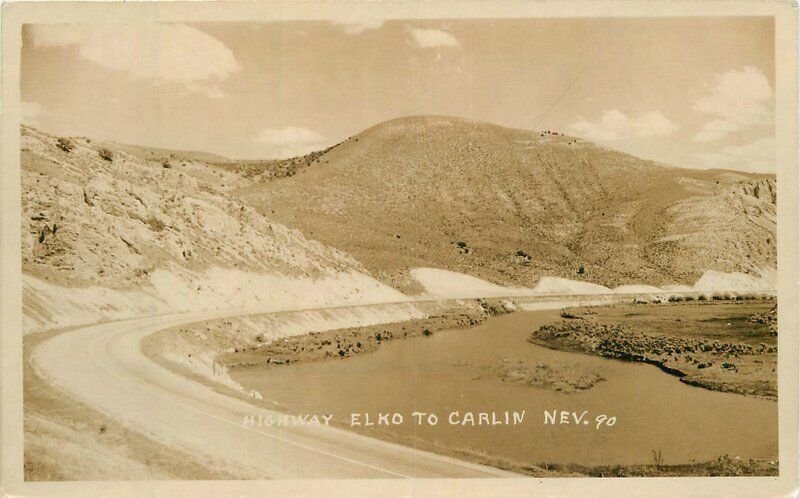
[(64, 144), (106, 155), (581, 270), (658, 458), (156, 224)]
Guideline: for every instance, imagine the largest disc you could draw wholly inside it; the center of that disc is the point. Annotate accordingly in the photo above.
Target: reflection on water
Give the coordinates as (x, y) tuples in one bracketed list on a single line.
[(447, 372)]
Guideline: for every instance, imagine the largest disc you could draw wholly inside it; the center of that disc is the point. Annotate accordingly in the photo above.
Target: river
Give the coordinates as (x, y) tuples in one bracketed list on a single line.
[(447, 372)]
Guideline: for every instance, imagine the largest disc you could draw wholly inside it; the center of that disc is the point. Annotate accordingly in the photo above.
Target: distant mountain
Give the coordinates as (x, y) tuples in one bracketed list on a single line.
[(160, 154), (512, 205)]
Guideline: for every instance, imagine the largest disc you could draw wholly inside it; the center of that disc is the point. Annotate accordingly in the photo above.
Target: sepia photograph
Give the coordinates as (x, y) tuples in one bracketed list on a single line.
[(401, 244)]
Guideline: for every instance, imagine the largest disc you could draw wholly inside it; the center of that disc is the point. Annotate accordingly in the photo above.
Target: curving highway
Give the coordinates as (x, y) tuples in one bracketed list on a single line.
[(103, 365)]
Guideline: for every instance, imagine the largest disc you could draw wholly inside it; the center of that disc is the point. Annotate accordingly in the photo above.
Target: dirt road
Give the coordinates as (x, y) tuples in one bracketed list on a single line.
[(104, 366)]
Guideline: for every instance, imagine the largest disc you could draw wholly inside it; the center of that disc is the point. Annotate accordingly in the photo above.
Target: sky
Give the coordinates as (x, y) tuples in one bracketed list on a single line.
[(692, 92)]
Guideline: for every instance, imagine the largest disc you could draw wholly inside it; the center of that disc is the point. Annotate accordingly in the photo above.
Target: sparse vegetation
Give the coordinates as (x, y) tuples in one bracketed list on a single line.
[(698, 355), (278, 168), (379, 185), (155, 224), (523, 257), (566, 378), (463, 248), (658, 459), (65, 144), (106, 155), (344, 343), (722, 466)]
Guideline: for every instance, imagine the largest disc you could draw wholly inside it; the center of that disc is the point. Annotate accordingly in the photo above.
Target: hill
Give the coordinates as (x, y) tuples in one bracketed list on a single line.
[(271, 169), (510, 206), (160, 154), (109, 234)]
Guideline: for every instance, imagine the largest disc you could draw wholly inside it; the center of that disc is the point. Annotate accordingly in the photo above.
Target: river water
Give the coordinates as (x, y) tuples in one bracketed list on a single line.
[(446, 373)]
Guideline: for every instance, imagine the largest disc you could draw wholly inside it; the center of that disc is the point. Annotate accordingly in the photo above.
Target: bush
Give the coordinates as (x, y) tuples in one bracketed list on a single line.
[(106, 155), (581, 270), (64, 144), (156, 224)]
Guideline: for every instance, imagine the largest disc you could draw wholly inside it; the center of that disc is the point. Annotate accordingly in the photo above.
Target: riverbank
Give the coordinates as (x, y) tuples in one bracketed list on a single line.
[(723, 466), (722, 347), (350, 341)]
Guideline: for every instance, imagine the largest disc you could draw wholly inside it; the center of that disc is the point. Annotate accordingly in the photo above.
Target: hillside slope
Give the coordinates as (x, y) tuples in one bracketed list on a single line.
[(107, 234), (512, 205)]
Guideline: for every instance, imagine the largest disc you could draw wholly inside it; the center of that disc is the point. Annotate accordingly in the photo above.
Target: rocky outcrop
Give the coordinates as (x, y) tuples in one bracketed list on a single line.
[(109, 239)]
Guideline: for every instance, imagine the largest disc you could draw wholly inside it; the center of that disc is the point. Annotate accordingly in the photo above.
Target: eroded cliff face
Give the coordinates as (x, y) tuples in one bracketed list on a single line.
[(108, 234)]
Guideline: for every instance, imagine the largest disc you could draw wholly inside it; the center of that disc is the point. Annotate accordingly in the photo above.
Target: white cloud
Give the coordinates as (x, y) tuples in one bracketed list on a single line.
[(615, 125), (289, 135), (430, 38), (356, 26), (289, 141), (31, 113), (740, 100), (756, 157), (210, 90), (173, 53)]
